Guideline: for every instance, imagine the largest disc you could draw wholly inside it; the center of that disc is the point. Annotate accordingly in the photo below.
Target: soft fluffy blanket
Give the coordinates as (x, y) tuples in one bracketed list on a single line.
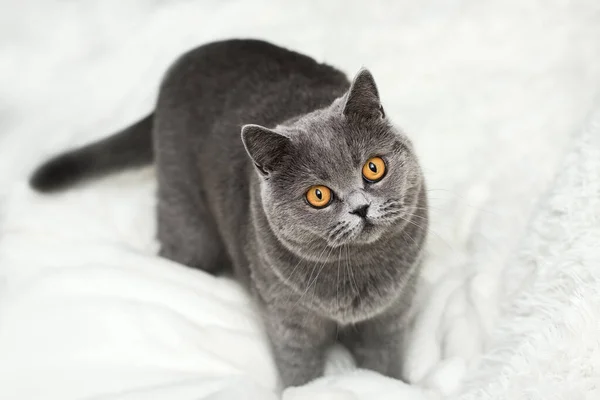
[(494, 95), (547, 346)]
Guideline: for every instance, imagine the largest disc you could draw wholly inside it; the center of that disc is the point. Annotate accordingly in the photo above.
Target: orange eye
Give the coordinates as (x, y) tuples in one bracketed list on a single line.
[(374, 169), (319, 196)]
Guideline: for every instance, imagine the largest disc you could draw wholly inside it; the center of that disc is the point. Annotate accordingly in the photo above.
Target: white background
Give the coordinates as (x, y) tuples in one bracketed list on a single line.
[(490, 92)]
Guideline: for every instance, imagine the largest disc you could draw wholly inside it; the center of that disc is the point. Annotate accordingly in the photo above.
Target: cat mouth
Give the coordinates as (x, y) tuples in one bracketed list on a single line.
[(368, 227), (364, 232), (368, 233)]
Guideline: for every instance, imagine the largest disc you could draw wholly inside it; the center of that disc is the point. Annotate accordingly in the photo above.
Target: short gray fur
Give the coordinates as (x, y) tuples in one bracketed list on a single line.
[(231, 203)]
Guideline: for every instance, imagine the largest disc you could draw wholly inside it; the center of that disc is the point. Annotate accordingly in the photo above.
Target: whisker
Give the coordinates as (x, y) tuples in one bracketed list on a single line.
[(311, 272), (315, 279), (352, 278), (428, 230), (408, 234), (456, 195), (338, 228), (428, 208), (398, 214), (301, 259), (418, 216), (344, 282), (337, 283), (288, 279)]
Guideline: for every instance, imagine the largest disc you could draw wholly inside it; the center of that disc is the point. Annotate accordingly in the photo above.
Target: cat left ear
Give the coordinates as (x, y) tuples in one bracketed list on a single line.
[(363, 96), (265, 147)]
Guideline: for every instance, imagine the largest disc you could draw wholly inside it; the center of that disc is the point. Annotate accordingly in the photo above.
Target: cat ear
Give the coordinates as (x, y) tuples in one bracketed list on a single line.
[(265, 147), (363, 96)]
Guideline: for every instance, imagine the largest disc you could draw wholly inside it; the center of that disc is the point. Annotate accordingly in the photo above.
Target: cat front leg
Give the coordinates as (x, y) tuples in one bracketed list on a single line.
[(299, 341), (377, 344)]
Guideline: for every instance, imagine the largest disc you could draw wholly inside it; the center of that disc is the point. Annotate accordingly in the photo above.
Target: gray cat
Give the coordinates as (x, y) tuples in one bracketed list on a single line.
[(320, 209)]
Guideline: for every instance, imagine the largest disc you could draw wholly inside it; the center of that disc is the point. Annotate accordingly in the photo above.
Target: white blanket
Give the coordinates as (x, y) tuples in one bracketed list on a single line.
[(548, 344), (492, 93)]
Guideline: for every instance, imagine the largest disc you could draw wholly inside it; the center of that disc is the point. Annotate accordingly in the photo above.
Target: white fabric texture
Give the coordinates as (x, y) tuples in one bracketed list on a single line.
[(494, 94), (547, 345)]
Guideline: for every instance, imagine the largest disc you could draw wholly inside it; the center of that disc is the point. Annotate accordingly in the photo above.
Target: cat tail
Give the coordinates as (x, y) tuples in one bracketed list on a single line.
[(129, 148)]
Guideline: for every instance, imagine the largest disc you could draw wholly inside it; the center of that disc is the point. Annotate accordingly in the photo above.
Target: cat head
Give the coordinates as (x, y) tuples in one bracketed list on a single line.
[(339, 175)]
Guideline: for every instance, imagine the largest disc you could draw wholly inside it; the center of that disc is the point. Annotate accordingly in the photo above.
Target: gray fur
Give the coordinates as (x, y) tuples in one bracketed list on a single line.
[(319, 275)]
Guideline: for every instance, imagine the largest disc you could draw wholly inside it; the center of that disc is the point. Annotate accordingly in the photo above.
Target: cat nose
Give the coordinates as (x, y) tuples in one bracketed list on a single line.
[(361, 211)]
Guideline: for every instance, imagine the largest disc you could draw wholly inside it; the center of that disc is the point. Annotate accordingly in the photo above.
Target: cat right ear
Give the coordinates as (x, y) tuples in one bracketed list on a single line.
[(363, 97), (265, 147)]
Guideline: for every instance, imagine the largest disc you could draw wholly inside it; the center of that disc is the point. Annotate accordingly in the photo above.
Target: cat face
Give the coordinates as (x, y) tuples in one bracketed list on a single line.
[(342, 175)]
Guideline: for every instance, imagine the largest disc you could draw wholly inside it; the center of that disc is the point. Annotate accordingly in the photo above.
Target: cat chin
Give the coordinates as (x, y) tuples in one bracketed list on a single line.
[(362, 234), (370, 234)]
